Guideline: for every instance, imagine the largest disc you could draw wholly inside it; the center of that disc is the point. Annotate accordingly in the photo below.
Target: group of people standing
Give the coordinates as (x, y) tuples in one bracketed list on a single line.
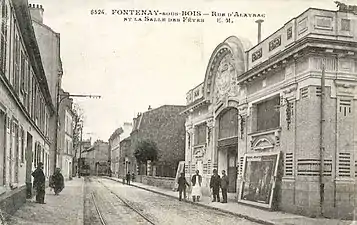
[(39, 183), (129, 178), (216, 183)]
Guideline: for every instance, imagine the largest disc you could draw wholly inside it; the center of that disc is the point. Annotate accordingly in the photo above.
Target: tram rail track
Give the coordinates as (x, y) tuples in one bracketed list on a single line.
[(100, 215), (146, 218)]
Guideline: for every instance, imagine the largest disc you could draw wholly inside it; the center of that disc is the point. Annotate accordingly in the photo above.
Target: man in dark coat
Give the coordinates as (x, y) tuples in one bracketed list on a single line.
[(182, 183), (128, 178), (214, 185), (224, 186), (57, 181), (39, 183)]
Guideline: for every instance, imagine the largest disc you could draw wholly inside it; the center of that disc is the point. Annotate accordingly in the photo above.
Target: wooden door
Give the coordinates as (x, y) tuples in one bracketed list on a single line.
[(232, 170)]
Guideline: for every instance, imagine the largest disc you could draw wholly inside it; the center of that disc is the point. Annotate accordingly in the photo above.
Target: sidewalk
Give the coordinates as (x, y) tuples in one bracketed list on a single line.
[(247, 212), (64, 209)]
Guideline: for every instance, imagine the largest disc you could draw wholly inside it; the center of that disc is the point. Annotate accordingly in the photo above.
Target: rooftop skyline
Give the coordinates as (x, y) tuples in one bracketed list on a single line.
[(134, 65)]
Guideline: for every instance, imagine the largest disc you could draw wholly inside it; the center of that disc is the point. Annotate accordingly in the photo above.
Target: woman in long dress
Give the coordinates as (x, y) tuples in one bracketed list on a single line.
[(196, 186)]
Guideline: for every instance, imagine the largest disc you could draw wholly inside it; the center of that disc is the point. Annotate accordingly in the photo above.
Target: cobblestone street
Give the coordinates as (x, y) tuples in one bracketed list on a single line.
[(157, 208), (64, 209), (115, 202), (95, 201)]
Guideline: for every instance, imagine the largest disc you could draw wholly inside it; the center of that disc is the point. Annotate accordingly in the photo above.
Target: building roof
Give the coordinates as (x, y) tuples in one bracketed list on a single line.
[(145, 119), (165, 126), (28, 34), (116, 133), (128, 139)]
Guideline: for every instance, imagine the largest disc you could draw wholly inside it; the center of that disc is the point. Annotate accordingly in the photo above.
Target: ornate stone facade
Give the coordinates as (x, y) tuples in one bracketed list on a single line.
[(297, 137)]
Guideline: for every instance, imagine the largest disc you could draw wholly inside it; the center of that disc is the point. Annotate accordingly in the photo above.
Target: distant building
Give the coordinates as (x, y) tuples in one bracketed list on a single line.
[(97, 156), (49, 45), (114, 151), (65, 137), (166, 127), (115, 146), (84, 145), (127, 161), (127, 128)]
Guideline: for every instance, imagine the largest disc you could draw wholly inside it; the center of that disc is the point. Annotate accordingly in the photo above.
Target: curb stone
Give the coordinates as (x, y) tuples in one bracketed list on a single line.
[(203, 205)]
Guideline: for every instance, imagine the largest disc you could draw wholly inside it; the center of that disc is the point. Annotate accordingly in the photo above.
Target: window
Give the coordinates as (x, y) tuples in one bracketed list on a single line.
[(200, 134), (38, 106), (29, 89), (22, 73), (70, 147), (67, 146), (228, 124), (16, 77), (22, 145), (39, 153), (3, 35), (268, 115), (345, 25), (33, 94)]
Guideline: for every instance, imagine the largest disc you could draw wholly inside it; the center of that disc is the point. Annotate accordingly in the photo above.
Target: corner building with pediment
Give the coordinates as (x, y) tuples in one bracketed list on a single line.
[(279, 117)]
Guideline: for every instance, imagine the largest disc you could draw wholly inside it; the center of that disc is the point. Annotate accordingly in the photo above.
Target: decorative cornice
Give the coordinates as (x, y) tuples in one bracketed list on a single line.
[(290, 89), (202, 102), (345, 87)]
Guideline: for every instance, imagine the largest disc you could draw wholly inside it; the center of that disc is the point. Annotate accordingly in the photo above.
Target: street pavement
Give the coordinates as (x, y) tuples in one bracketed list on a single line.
[(152, 205), (248, 212), (160, 209), (63, 209)]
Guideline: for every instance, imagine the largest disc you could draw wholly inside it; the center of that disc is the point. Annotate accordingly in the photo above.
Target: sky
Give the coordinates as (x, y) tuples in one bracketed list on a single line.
[(132, 65)]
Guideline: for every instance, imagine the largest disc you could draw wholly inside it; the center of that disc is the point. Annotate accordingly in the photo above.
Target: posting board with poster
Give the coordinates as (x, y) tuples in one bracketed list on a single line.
[(259, 178)]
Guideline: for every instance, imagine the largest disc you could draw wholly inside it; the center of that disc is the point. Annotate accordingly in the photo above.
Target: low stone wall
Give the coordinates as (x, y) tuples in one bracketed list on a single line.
[(163, 182)]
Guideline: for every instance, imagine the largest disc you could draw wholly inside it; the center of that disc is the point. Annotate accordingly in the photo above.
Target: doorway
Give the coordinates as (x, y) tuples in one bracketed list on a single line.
[(199, 167), (232, 169), (28, 158)]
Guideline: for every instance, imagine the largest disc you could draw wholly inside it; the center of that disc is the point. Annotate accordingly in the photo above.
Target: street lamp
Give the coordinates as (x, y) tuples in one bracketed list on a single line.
[(60, 98)]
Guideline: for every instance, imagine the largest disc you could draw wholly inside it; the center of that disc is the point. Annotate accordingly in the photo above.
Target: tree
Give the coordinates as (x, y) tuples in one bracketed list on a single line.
[(146, 150)]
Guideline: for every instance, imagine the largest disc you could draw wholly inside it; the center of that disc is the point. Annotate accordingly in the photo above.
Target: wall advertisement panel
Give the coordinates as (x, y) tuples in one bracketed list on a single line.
[(259, 178)]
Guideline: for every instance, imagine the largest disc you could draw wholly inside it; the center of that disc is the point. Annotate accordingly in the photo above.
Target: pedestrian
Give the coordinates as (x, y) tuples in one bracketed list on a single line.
[(128, 178), (57, 181), (196, 186), (215, 183), (224, 186), (39, 183), (133, 177), (182, 183)]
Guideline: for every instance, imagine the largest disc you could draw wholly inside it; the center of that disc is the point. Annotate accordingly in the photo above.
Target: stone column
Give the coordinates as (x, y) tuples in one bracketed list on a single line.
[(210, 144), (242, 141), (188, 152)]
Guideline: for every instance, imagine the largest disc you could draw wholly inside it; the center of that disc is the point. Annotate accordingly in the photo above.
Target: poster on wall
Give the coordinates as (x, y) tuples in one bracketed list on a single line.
[(259, 177)]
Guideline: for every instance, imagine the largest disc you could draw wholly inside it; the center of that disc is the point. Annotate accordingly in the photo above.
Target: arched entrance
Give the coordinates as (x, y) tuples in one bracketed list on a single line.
[(227, 145)]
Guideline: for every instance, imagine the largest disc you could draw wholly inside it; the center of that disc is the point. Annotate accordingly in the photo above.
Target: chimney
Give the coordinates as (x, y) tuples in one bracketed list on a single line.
[(36, 12), (259, 22)]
